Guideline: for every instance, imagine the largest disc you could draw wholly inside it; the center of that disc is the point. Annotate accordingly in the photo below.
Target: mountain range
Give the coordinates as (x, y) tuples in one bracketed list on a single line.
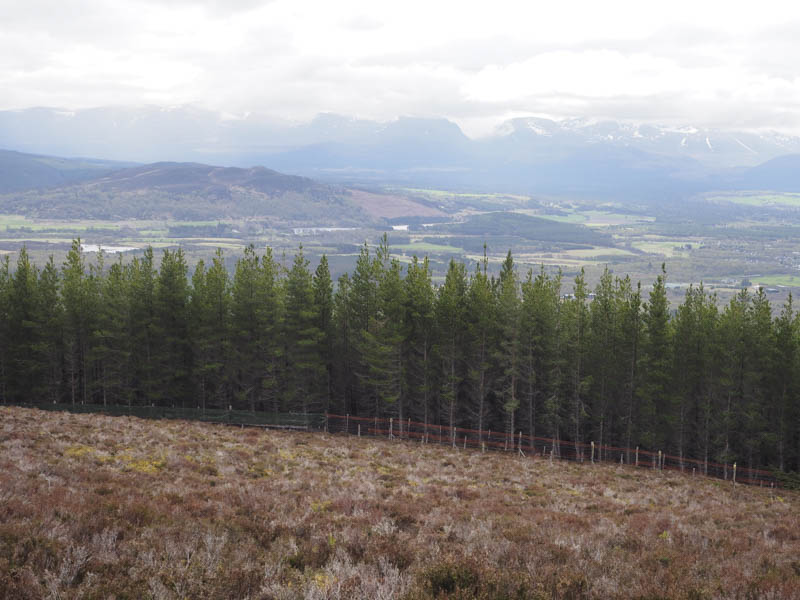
[(580, 158)]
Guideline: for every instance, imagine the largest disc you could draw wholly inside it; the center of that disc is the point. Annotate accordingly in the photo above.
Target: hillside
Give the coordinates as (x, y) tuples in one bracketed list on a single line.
[(779, 174), (489, 226), (582, 158), (94, 506), (188, 191), (67, 189), (20, 171)]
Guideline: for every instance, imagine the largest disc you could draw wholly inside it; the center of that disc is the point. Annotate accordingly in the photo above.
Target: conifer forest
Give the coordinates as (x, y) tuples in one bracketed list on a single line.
[(505, 350)]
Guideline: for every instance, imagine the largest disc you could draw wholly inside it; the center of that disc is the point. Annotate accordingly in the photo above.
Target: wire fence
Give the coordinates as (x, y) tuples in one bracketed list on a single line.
[(542, 447), (457, 437)]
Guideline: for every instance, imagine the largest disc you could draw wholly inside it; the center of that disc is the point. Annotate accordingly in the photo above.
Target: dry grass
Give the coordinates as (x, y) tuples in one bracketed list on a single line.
[(102, 507)]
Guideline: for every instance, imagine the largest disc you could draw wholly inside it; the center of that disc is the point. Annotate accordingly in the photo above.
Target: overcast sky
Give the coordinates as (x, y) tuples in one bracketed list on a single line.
[(707, 63)]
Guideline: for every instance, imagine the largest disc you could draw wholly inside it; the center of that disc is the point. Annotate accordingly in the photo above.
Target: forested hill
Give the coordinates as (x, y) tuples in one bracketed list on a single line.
[(189, 191), (507, 351)]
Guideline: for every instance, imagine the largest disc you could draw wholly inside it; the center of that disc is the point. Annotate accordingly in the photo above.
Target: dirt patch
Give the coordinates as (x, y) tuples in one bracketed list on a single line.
[(391, 206)]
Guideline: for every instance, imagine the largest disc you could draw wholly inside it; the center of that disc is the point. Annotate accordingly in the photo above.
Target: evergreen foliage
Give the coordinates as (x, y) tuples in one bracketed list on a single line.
[(489, 352)]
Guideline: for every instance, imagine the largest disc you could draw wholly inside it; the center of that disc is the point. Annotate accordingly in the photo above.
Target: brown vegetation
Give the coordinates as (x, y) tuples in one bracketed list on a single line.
[(117, 507), (392, 206)]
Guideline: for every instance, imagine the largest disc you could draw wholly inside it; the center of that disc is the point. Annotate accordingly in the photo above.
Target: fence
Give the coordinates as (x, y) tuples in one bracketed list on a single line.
[(439, 434), (544, 447)]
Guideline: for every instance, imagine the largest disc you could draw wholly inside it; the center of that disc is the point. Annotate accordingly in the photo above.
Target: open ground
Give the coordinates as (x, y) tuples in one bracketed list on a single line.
[(117, 507)]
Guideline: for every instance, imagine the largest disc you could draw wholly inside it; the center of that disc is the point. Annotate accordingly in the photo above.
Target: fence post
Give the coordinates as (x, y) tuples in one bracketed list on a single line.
[(659, 460), (592, 453), (408, 429), (391, 427), (520, 443), (637, 456), (465, 442), (347, 424), (621, 461), (359, 430), (734, 474)]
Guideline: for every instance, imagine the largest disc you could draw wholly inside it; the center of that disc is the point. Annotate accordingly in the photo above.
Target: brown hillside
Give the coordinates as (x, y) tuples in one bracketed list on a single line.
[(117, 507)]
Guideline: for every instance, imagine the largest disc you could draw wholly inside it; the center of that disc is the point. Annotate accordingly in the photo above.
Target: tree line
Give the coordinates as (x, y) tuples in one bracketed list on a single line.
[(508, 351)]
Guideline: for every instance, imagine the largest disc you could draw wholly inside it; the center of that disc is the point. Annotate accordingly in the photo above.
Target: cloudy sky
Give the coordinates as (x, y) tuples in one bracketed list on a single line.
[(707, 63)]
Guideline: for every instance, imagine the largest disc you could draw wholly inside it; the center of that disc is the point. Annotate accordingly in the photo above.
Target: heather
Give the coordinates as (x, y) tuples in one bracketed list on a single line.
[(117, 507)]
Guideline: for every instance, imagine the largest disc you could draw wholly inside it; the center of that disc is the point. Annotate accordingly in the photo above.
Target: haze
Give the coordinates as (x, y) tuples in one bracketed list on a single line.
[(709, 64)]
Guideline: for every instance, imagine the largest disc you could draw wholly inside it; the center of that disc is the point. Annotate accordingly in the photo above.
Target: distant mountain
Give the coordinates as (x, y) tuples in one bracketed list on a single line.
[(194, 191), (577, 157), (20, 171), (191, 191), (780, 174), (710, 147)]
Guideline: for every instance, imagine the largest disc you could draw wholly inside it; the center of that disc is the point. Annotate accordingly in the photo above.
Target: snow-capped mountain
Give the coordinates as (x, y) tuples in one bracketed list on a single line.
[(587, 157), (713, 147)]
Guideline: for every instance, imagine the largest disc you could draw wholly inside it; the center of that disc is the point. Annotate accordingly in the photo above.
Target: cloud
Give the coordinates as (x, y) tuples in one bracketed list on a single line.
[(362, 23), (477, 63)]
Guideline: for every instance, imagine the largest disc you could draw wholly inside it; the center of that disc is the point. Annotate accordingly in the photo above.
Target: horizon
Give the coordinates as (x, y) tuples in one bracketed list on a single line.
[(709, 65)]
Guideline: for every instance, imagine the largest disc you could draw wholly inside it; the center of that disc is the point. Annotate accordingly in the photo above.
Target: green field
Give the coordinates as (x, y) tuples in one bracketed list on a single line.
[(421, 248), (759, 199), (665, 248), (591, 218), (786, 280)]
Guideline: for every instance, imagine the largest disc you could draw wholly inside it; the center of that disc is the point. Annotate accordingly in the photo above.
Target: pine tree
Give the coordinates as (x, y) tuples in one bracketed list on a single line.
[(210, 307), (77, 327), (450, 313), (256, 326), (142, 327), (783, 381), (364, 304), (172, 350), (603, 338), (323, 301), (733, 355), (305, 370), (26, 365), (573, 349), (655, 412), (481, 311), (5, 324), (418, 320), (343, 339), (630, 337), (539, 323), (112, 349), (507, 353), (693, 341)]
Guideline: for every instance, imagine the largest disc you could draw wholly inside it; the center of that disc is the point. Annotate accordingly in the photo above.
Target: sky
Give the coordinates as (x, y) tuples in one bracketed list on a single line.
[(731, 65)]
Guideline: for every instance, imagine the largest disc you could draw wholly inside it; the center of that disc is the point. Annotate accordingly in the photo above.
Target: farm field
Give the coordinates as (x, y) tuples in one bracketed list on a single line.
[(117, 507), (759, 199)]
